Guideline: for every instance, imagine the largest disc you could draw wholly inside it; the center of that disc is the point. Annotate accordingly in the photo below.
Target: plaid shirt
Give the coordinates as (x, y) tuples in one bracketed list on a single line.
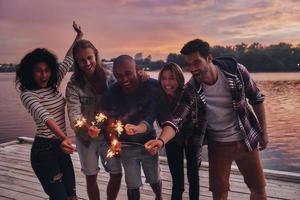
[(192, 104)]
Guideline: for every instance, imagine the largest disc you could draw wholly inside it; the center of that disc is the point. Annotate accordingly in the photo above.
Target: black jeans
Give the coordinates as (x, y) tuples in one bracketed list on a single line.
[(175, 154), (53, 168)]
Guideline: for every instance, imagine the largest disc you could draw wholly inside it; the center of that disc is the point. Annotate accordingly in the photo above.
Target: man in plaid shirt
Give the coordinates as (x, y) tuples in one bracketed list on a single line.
[(217, 101)]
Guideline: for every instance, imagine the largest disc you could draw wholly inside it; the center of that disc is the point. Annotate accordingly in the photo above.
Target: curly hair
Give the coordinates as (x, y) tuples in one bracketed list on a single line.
[(25, 70), (196, 45), (176, 71), (78, 75)]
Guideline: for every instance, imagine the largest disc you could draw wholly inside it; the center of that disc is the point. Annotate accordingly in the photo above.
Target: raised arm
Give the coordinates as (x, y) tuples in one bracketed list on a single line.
[(79, 36)]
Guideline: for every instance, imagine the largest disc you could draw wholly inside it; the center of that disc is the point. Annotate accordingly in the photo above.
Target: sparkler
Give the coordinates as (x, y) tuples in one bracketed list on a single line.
[(111, 152), (118, 127), (115, 128), (100, 118), (80, 122)]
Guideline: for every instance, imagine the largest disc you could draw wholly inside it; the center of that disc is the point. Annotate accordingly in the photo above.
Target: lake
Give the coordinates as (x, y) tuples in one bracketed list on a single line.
[(282, 104)]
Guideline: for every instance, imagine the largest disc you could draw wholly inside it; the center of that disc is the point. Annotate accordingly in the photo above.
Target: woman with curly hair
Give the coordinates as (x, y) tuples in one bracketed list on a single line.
[(38, 77)]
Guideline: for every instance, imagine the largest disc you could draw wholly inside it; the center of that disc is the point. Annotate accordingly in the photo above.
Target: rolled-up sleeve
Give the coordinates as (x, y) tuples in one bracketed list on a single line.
[(181, 112), (73, 103), (252, 92)]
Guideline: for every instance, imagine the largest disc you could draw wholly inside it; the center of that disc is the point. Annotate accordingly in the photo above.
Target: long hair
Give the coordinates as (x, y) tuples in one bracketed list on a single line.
[(24, 73), (176, 71), (78, 75)]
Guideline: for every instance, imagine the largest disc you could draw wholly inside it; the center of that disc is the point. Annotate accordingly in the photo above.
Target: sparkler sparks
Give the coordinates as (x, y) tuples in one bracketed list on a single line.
[(100, 117), (118, 127), (111, 152), (80, 122)]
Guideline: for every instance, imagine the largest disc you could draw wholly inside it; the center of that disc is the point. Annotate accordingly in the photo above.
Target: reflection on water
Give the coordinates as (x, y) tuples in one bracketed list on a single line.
[(283, 114), (282, 108)]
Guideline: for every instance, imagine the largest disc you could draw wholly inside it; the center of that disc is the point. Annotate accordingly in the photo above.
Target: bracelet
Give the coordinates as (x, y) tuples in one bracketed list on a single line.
[(163, 142)]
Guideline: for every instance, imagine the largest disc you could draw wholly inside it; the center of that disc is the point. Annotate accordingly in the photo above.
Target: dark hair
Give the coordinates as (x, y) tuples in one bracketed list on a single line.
[(24, 74), (177, 72), (196, 45), (78, 75), (121, 59)]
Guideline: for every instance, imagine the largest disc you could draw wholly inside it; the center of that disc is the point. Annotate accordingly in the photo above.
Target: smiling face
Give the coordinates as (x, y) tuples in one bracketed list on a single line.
[(86, 59), (168, 82), (198, 65), (125, 73), (41, 75)]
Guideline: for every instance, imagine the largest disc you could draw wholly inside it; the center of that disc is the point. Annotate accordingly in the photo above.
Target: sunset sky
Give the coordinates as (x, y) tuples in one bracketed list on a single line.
[(155, 27)]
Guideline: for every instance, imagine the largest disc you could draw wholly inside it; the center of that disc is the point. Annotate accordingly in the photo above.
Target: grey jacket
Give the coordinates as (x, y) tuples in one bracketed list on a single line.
[(83, 102)]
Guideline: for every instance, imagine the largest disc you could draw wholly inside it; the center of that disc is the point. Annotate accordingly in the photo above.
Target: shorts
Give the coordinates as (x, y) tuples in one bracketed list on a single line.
[(135, 158), (89, 158)]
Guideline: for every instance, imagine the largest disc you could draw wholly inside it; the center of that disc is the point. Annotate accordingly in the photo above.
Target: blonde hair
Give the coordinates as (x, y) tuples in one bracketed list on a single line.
[(78, 73)]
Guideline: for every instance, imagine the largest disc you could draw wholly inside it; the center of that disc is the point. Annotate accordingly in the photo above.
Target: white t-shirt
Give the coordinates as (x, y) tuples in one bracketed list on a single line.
[(221, 117)]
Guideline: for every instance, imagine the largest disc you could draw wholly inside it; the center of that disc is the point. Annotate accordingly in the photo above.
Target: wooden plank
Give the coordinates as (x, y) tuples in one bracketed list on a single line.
[(17, 177)]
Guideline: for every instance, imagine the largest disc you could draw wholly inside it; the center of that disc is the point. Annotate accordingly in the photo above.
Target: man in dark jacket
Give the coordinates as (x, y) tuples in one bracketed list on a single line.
[(133, 102), (218, 92)]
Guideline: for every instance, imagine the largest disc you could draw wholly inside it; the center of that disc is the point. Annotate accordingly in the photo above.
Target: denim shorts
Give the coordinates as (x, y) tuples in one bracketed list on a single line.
[(133, 158), (89, 158)]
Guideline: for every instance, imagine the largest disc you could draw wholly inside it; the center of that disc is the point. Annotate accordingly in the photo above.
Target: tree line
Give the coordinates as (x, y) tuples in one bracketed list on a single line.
[(282, 57)]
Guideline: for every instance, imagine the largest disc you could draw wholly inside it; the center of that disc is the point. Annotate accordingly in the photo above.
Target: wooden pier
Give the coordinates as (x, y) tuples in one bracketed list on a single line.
[(17, 180)]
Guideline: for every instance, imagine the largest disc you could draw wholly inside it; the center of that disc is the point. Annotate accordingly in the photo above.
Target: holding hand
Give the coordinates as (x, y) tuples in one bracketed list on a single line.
[(154, 146), (67, 146), (131, 129), (93, 131)]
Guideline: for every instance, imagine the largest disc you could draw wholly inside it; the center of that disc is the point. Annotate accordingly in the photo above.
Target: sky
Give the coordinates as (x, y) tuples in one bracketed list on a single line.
[(153, 27)]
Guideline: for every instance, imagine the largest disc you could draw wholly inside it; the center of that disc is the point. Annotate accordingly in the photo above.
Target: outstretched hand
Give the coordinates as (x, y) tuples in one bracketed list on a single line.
[(67, 146), (77, 29), (131, 129), (153, 146), (93, 131)]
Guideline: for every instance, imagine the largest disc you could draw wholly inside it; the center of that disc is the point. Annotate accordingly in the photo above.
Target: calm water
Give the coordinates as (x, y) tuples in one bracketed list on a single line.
[(282, 103)]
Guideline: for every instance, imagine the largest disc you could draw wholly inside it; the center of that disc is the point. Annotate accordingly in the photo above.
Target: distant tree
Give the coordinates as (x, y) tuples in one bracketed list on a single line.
[(176, 58), (138, 56)]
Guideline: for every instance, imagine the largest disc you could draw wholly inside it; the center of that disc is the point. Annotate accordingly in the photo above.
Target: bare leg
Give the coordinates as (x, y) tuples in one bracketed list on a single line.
[(133, 194), (92, 187), (220, 196), (113, 186), (157, 190)]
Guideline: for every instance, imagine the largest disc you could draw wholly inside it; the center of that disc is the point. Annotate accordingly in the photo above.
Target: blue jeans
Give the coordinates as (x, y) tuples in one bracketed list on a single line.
[(133, 158), (53, 168)]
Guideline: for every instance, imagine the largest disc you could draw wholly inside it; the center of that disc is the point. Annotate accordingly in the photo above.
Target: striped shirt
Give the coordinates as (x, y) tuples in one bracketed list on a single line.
[(44, 104)]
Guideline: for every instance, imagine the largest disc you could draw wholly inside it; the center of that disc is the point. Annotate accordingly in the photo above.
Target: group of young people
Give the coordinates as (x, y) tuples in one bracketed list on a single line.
[(211, 107)]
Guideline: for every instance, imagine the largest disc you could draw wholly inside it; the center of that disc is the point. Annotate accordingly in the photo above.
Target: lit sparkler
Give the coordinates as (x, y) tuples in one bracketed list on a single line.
[(118, 127), (111, 152), (80, 122), (100, 118)]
